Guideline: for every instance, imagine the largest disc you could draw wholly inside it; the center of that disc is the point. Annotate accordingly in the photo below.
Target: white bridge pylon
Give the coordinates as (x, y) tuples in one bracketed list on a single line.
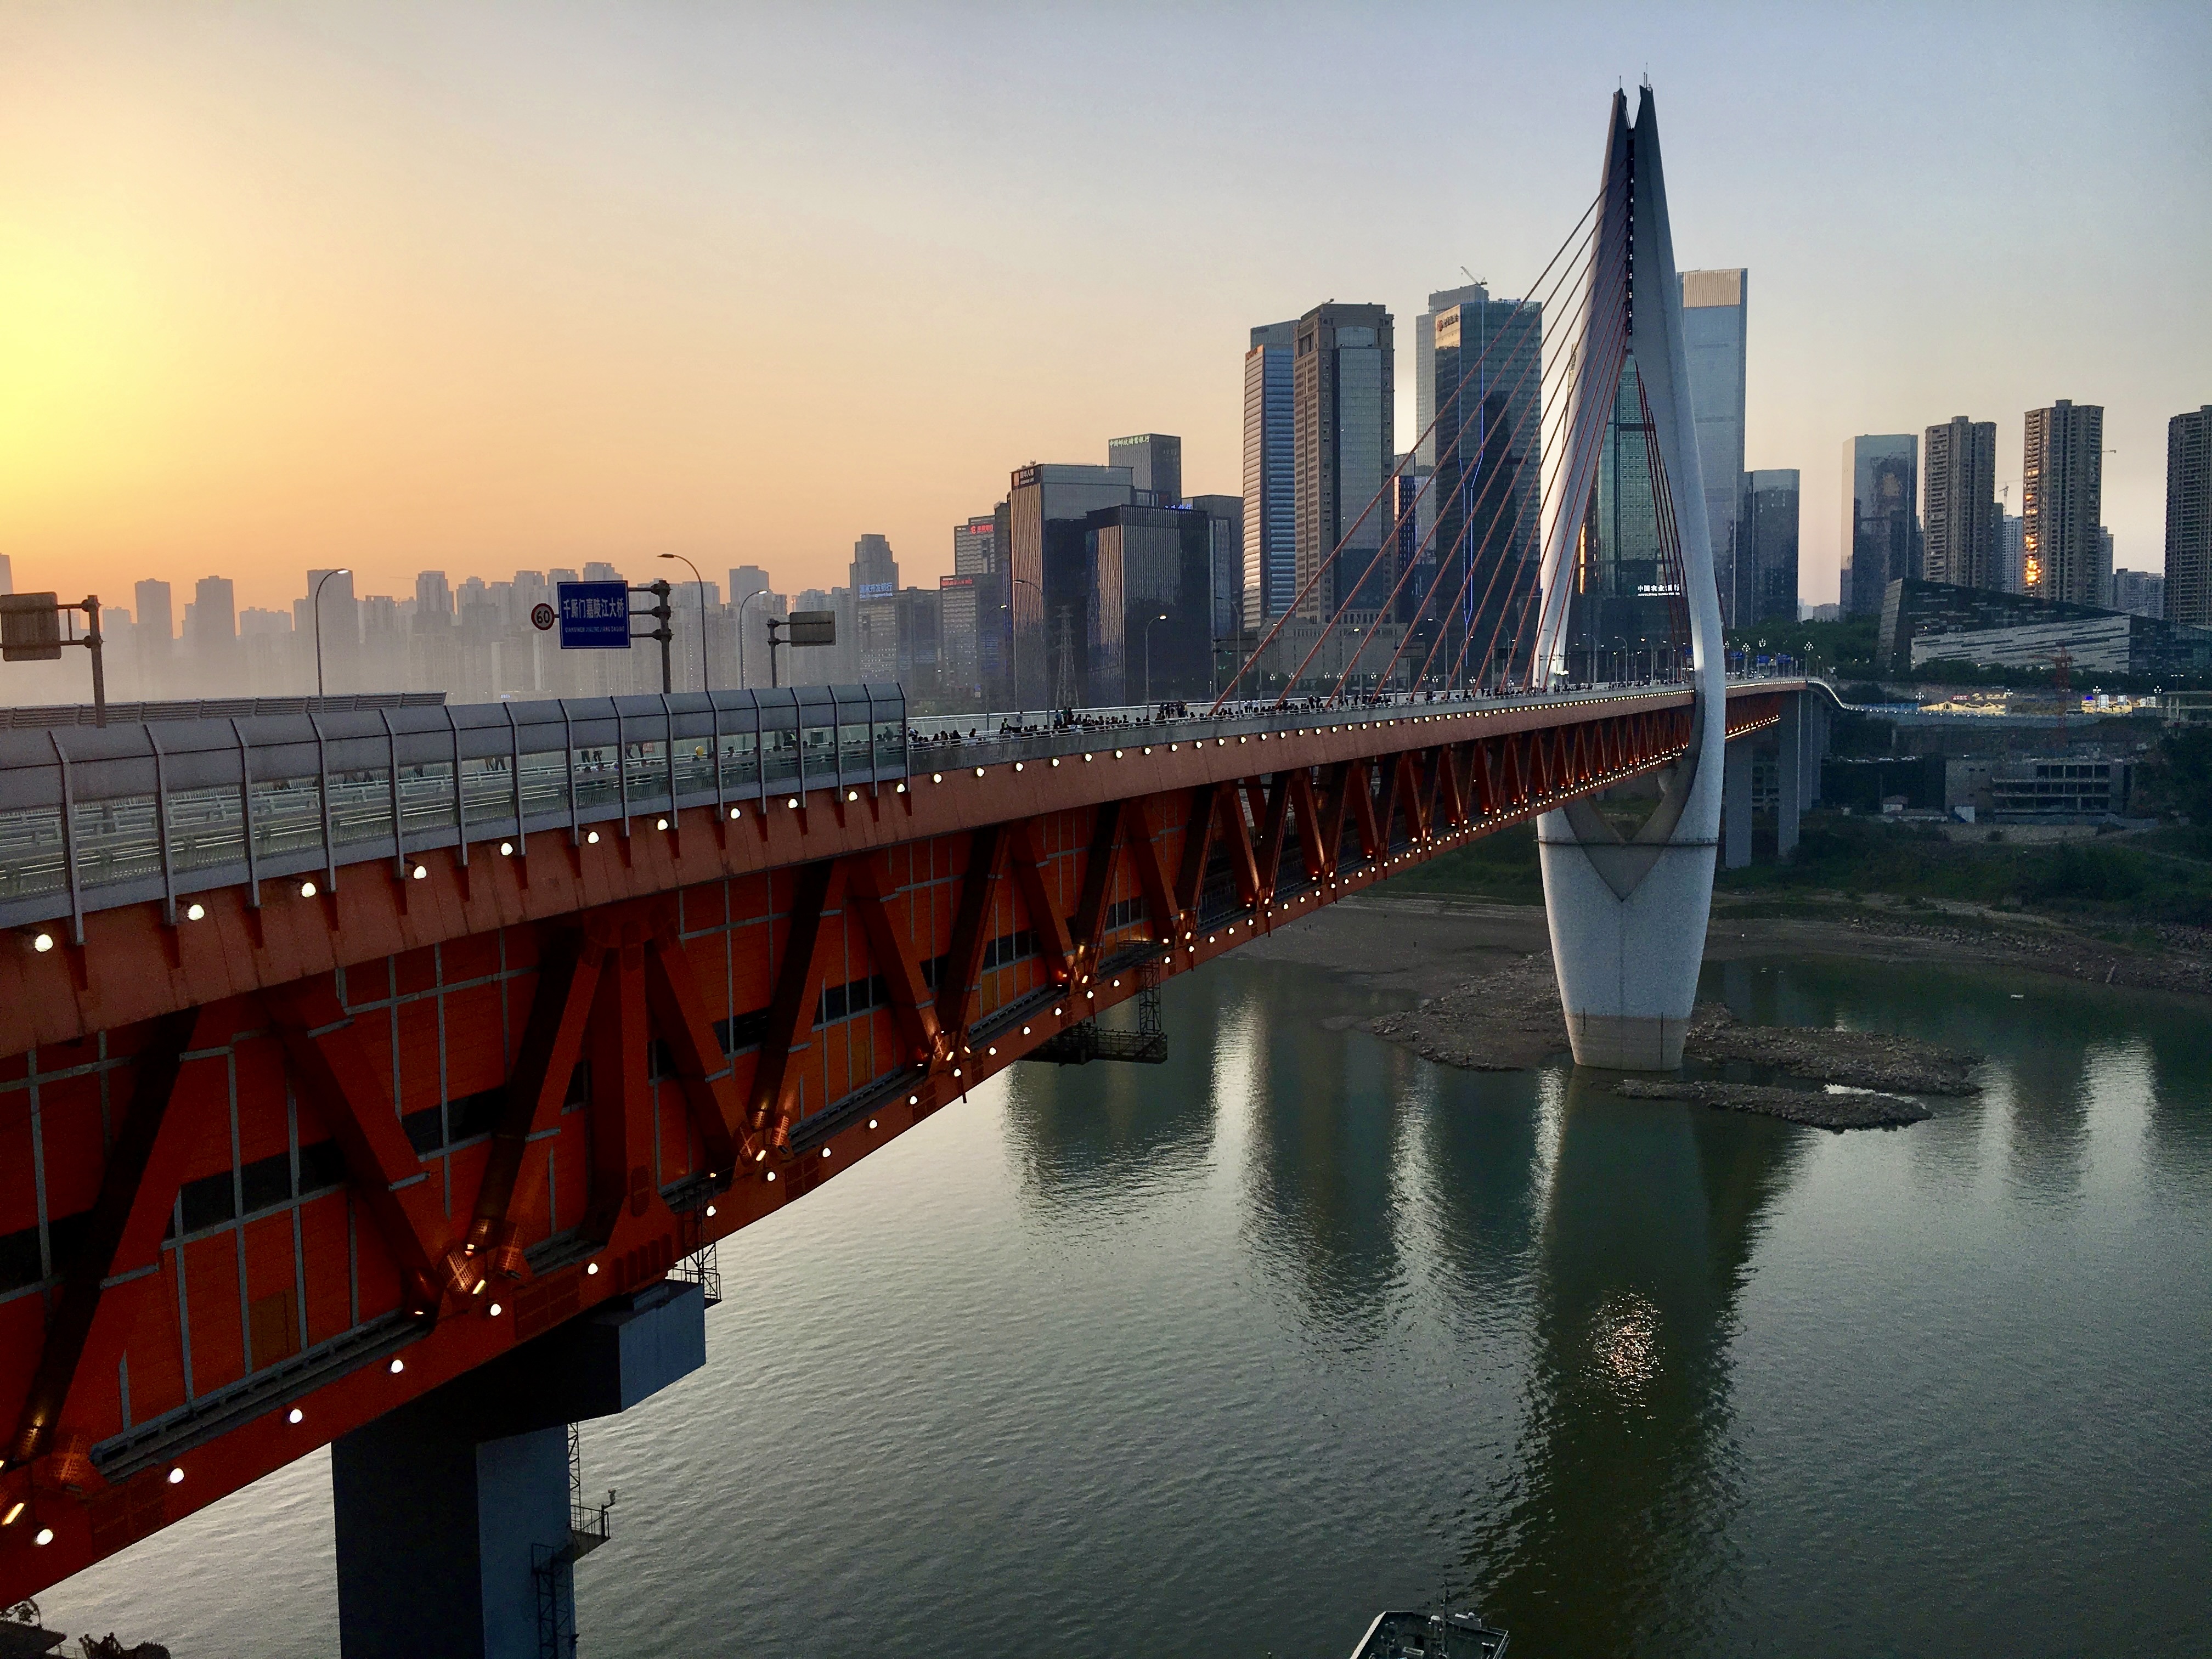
[(1628, 915)]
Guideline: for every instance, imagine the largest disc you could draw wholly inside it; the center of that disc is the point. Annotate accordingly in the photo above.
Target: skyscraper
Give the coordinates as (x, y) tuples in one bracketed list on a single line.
[(1714, 333), (1881, 537), (1224, 560), (1486, 357), (975, 620), (2139, 591), (434, 602), (1270, 476), (1625, 595), (875, 571), (7, 574), (1412, 511), (1425, 366), (1342, 399), (2189, 518), (1147, 635), (1155, 464), (1048, 574), (974, 545), (1958, 503), (2061, 490), (1767, 547)]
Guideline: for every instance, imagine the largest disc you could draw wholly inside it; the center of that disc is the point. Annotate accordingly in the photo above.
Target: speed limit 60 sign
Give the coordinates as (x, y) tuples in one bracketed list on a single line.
[(542, 617)]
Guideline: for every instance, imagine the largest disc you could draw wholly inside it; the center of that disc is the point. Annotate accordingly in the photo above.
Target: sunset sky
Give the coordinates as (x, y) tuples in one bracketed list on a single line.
[(479, 287)]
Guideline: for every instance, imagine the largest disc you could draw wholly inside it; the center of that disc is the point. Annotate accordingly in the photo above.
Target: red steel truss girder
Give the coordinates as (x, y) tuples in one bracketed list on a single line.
[(134, 967), (435, 1245)]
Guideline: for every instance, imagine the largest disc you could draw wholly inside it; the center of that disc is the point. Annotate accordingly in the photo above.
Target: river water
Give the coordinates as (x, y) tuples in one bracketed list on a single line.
[(1219, 1357)]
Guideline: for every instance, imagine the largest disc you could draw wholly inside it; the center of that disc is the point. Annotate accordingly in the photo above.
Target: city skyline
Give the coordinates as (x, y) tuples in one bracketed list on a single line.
[(535, 318)]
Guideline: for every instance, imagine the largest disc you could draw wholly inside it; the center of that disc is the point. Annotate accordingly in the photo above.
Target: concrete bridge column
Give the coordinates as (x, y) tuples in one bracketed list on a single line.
[(1790, 772), (453, 1512), (1736, 807)]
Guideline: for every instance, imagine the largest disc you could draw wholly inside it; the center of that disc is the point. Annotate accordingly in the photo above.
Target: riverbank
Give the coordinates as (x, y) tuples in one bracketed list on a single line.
[(1423, 945)]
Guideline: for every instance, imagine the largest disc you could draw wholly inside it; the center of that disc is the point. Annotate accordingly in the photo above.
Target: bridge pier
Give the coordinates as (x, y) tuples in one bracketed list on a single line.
[(1799, 755), (454, 1523), (1736, 805)]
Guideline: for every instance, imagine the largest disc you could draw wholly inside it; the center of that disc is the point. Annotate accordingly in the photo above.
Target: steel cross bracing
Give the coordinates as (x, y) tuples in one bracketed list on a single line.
[(265, 1177)]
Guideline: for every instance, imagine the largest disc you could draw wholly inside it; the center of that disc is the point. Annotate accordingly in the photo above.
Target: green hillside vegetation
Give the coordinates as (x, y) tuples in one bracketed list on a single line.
[(2111, 882)]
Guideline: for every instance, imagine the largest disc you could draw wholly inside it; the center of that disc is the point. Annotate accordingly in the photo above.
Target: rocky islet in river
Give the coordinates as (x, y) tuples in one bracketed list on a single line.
[(1509, 1020)]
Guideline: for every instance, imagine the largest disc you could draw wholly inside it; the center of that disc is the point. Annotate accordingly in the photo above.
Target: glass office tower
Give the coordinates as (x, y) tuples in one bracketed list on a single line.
[(1342, 413), (1270, 477), (1487, 362), (1627, 599), (1881, 534), (1766, 544), (1714, 308)]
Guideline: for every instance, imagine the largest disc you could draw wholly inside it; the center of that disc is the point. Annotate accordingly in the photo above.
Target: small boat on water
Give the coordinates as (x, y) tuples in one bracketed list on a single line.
[(1431, 1636)]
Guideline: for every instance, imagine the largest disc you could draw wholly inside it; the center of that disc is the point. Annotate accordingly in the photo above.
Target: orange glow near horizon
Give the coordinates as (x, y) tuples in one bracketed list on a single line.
[(422, 287)]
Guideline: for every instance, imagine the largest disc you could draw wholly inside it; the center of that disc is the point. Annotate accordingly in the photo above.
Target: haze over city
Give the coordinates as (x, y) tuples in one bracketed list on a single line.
[(485, 287)]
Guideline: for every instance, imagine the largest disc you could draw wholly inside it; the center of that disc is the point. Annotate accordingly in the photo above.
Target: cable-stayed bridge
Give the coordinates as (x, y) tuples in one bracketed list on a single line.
[(384, 1080)]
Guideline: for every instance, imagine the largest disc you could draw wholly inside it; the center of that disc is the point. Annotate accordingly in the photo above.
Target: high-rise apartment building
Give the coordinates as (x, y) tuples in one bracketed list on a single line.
[(2189, 518), (1487, 356), (1882, 537), (1714, 333), (2139, 591), (434, 602), (157, 629), (7, 574), (1959, 512), (1767, 547), (1155, 464), (2062, 490), (215, 612), (1270, 476), (1342, 403), (2012, 563)]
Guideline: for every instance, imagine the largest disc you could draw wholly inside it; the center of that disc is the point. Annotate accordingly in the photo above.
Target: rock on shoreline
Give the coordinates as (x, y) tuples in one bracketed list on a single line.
[(1819, 1110), (1858, 1059)]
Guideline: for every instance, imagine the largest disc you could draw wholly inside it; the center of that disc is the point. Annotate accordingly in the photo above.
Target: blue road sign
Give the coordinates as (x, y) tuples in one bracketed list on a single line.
[(594, 616)]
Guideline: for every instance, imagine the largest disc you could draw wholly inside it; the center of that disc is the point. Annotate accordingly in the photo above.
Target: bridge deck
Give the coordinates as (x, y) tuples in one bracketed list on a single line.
[(312, 1154)]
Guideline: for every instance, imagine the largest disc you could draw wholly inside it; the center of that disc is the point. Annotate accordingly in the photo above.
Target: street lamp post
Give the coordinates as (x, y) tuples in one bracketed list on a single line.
[(1162, 617), (757, 594), (705, 683), (317, 607)]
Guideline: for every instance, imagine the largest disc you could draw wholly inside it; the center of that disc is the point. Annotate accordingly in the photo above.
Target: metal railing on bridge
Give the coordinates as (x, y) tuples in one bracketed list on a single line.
[(95, 818)]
